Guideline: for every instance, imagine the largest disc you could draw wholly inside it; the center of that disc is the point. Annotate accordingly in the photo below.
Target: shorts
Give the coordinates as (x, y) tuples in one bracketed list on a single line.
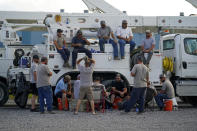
[(86, 91), (34, 88)]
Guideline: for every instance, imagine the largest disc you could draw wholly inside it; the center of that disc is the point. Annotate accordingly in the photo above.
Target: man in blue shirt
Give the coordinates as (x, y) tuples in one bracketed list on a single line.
[(78, 43), (63, 89)]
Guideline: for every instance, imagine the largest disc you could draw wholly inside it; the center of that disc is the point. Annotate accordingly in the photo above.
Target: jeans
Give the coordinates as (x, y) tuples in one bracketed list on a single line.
[(137, 94), (79, 50), (147, 61), (115, 47), (122, 45), (65, 54), (159, 99), (45, 92)]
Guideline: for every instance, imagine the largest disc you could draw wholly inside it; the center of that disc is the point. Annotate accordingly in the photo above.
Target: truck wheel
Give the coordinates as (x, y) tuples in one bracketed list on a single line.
[(4, 94), (192, 100)]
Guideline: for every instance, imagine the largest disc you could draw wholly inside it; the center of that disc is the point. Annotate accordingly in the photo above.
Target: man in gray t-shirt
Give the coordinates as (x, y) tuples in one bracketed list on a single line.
[(86, 72), (105, 35), (167, 91), (43, 85), (60, 44), (148, 45), (140, 74)]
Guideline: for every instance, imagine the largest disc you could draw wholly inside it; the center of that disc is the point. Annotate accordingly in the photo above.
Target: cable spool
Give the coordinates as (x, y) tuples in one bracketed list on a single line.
[(168, 64), (58, 18)]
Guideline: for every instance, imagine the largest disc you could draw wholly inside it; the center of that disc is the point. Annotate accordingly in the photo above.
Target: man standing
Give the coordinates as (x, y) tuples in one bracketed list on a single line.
[(43, 85), (118, 89), (104, 34), (60, 44), (33, 79), (78, 43), (86, 72), (77, 87), (167, 91), (63, 90), (140, 74), (125, 36), (147, 46)]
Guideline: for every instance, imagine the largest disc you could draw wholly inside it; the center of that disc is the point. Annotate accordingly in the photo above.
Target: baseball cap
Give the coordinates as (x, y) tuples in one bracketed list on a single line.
[(124, 22), (79, 32), (35, 57), (162, 76), (102, 22), (59, 30)]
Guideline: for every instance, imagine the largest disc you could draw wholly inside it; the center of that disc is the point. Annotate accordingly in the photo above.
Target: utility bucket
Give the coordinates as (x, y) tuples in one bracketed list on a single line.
[(168, 105), (116, 100)]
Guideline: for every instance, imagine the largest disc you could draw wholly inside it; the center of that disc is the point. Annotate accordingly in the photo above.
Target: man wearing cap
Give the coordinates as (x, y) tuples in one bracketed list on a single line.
[(167, 91), (148, 45), (141, 81), (78, 42), (125, 36), (63, 89), (86, 72), (104, 34), (33, 79), (60, 44)]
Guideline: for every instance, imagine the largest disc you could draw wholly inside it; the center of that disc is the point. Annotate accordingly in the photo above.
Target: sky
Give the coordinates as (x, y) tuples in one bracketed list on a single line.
[(133, 7)]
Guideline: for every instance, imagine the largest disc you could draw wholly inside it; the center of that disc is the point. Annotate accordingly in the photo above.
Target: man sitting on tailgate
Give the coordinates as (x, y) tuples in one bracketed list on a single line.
[(118, 88)]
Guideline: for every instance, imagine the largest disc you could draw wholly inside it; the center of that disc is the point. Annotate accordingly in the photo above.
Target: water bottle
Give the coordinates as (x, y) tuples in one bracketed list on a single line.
[(137, 109)]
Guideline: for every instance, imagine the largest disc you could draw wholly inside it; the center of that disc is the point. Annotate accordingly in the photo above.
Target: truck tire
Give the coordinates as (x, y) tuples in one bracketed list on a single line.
[(4, 94), (192, 100)]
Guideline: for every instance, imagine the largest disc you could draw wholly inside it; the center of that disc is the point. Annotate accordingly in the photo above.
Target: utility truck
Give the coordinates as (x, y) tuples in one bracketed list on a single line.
[(169, 60)]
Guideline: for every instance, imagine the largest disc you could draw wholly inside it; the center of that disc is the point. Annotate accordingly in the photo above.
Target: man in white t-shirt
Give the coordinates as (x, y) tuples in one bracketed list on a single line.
[(125, 36)]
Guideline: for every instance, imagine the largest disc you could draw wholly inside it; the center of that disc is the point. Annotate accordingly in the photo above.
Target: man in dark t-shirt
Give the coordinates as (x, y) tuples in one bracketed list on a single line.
[(118, 88), (78, 42)]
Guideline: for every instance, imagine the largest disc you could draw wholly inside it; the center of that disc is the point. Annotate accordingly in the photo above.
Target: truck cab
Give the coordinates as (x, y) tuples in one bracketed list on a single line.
[(180, 59)]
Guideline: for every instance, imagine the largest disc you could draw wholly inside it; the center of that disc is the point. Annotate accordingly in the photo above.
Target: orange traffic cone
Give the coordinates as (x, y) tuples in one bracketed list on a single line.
[(66, 104), (59, 104)]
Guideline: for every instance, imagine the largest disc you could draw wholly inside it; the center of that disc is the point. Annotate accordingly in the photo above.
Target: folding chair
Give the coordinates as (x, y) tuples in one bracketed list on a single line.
[(99, 98)]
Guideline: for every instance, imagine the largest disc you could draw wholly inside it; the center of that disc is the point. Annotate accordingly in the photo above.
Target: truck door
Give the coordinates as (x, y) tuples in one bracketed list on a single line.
[(189, 56)]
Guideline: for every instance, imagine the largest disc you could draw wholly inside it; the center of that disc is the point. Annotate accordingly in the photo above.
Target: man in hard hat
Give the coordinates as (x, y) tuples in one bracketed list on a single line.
[(104, 34), (125, 36), (167, 91), (148, 45)]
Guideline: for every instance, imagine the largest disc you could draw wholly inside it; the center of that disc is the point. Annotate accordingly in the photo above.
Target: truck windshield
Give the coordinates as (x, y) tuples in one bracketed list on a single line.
[(190, 46)]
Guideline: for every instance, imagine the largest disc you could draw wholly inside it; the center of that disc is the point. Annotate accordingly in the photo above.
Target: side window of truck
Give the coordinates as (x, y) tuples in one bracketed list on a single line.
[(168, 44)]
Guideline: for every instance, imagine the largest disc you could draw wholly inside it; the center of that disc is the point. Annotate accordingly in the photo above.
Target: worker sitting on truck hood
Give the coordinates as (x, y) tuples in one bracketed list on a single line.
[(60, 44), (167, 91), (125, 36), (104, 34), (78, 43), (148, 45)]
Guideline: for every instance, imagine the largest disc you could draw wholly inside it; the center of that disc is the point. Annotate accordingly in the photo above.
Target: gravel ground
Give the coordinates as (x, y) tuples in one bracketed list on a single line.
[(13, 119)]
